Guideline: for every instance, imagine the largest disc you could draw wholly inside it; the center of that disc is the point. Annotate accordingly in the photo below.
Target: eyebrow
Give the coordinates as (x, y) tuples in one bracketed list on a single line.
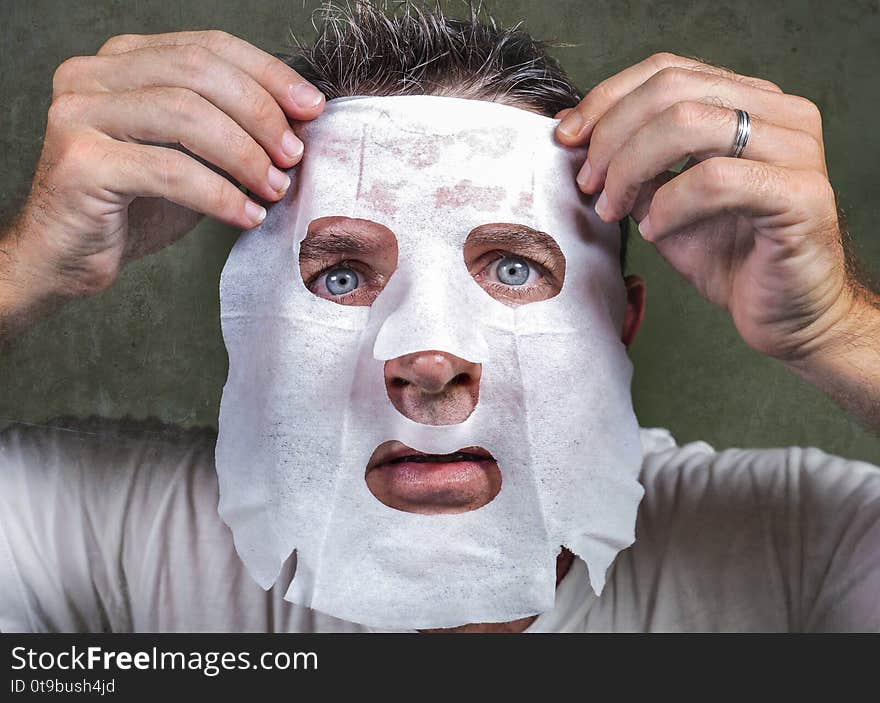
[(524, 239), (328, 242), (333, 241)]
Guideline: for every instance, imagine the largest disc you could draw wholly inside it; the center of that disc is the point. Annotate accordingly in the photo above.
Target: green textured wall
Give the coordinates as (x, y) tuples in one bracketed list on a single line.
[(152, 346)]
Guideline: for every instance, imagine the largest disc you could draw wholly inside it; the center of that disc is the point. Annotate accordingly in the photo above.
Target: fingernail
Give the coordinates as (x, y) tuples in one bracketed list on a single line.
[(584, 174), (601, 204), (306, 95), (254, 212), (291, 146), (278, 180), (572, 124), (645, 227)]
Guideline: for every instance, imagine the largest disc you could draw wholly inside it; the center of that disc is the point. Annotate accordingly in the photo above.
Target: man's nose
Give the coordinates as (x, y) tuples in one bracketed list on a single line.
[(432, 387)]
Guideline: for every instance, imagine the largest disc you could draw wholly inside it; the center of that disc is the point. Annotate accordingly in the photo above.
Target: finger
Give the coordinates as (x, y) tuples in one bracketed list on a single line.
[(179, 116), (134, 170), (578, 125), (646, 194), (299, 98), (197, 69), (698, 131), (675, 85), (772, 197)]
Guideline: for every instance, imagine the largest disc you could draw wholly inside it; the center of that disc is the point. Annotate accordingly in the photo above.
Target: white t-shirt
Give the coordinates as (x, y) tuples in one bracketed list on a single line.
[(115, 528)]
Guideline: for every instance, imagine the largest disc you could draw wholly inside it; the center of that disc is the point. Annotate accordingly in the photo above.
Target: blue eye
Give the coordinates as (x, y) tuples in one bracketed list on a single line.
[(512, 271), (341, 280)]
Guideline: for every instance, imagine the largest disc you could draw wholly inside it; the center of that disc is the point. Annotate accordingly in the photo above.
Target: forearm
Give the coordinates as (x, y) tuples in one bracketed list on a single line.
[(848, 368)]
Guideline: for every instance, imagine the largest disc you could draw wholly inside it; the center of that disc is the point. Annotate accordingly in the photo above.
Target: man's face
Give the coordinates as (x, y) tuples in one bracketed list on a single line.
[(349, 261), (427, 393)]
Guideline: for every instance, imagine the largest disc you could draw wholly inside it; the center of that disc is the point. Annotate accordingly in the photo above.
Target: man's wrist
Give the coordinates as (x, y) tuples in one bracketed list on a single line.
[(858, 327), (846, 365), (27, 288)]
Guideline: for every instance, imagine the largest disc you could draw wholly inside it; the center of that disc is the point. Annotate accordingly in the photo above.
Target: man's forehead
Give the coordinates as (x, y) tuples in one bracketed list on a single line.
[(387, 168), (448, 165)]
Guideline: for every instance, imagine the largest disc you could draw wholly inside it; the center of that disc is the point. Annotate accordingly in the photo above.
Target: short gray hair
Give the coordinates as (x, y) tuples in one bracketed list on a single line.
[(411, 49), (361, 48)]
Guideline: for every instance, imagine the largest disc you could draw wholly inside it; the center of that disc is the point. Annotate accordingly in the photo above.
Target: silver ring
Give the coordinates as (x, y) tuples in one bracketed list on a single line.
[(743, 130)]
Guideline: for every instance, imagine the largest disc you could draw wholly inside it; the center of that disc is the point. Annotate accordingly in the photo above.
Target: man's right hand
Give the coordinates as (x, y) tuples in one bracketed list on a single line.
[(112, 184)]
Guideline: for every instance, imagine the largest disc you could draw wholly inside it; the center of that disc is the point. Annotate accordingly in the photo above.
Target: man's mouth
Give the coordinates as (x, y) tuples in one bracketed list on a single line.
[(416, 482), (440, 458)]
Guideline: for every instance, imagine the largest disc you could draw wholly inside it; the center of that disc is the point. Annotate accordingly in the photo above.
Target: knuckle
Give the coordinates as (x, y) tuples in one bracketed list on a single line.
[(818, 187), (183, 103), (663, 59), (266, 110), (118, 44), (275, 71), (63, 109), (669, 78), (715, 176), (811, 194), (765, 180), (78, 157), (242, 149), (219, 195), (687, 114), (194, 58), (78, 149), (601, 94), (216, 38), (68, 73), (810, 114), (811, 148)]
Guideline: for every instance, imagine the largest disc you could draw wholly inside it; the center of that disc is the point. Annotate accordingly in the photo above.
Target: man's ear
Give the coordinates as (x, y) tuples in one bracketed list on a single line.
[(636, 290)]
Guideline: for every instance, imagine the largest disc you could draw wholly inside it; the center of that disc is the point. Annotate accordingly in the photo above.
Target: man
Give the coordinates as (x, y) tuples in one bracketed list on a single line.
[(120, 531)]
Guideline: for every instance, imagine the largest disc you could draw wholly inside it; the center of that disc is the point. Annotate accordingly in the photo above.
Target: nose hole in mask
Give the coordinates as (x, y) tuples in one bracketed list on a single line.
[(430, 484), (433, 388)]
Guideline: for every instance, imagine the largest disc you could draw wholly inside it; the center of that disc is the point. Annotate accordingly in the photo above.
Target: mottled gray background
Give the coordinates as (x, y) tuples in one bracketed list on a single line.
[(151, 346)]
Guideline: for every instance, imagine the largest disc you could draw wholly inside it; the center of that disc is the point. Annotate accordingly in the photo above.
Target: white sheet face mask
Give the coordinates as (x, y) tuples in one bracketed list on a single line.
[(305, 404)]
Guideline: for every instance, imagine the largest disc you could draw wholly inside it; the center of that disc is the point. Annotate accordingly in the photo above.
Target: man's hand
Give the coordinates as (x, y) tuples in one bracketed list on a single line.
[(758, 235), (113, 184)]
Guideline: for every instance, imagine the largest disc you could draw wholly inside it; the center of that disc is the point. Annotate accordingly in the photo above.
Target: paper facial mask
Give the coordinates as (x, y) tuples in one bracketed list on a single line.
[(305, 404)]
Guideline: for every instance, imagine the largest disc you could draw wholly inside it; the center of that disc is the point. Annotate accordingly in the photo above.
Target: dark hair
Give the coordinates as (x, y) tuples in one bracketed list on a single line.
[(413, 49)]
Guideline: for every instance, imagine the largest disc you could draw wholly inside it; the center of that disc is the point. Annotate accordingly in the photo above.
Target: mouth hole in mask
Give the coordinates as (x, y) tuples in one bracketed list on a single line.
[(432, 484), (347, 260), (515, 264)]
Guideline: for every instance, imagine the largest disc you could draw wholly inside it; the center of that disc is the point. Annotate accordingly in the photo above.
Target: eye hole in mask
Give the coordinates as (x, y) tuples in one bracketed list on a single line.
[(347, 260), (515, 264)]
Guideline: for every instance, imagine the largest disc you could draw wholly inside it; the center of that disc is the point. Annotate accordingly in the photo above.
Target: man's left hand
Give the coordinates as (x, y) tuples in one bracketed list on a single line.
[(758, 235)]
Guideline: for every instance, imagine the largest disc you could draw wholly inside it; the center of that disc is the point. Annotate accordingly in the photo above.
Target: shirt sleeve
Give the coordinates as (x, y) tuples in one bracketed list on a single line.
[(840, 515), (756, 540), (76, 506)]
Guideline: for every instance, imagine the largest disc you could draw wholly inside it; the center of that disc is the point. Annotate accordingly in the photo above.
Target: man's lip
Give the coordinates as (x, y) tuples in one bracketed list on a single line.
[(428, 484), (392, 451)]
